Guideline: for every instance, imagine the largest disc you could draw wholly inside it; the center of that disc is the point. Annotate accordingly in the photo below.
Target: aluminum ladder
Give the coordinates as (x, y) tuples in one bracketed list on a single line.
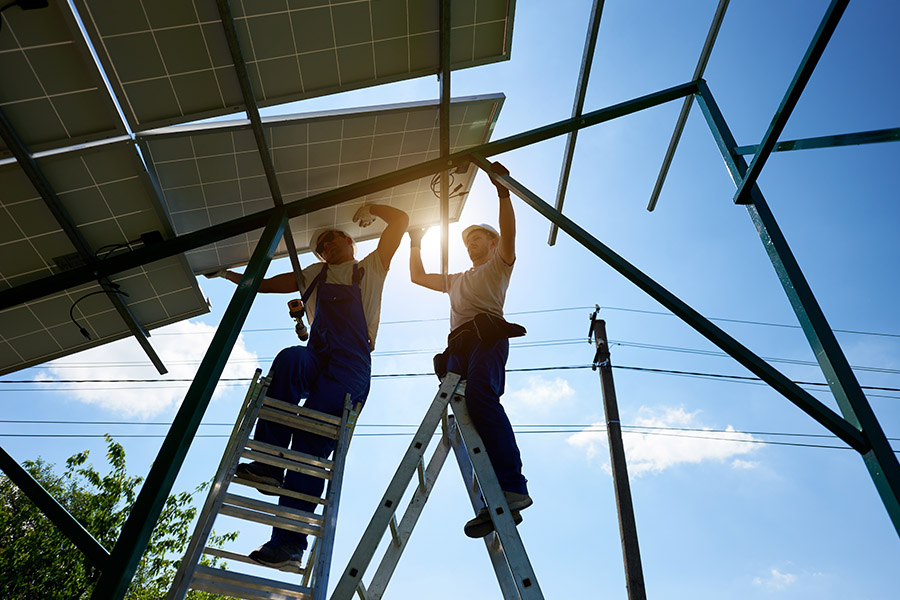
[(504, 546), (313, 576)]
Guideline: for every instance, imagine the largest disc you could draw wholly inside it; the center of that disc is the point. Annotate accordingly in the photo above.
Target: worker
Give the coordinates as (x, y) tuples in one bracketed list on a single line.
[(478, 344), (343, 302)]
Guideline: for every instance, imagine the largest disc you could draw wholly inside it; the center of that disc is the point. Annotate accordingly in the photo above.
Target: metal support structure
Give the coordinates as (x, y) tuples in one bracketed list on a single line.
[(756, 365), (587, 59), (444, 134), (877, 454), (136, 532), (53, 510), (795, 89), (190, 241), (829, 141), (631, 552), (705, 53), (61, 215), (240, 66)]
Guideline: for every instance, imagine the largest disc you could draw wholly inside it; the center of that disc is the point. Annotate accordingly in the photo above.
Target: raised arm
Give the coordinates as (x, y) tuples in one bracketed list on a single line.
[(506, 248), (397, 222), (417, 274), (284, 283)]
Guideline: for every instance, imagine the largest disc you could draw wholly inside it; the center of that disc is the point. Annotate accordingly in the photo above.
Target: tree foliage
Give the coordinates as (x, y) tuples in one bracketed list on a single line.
[(37, 561)]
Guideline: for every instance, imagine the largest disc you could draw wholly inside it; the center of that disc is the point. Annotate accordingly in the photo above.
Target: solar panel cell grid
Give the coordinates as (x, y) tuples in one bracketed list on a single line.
[(169, 60), (213, 173), (51, 91)]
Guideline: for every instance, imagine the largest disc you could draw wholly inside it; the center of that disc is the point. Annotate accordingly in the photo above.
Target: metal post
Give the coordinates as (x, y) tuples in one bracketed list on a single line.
[(138, 528), (877, 453), (444, 133), (795, 89), (829, 141), (631, 552), (705, 53), (54, 511), (587, 59)]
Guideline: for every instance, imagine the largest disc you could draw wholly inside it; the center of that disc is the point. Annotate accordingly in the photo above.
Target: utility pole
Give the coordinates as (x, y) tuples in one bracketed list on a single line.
[(634, 573)]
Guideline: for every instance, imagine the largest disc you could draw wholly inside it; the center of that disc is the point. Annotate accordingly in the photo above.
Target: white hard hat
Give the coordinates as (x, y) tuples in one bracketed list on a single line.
[(314, 239), (481, 226)]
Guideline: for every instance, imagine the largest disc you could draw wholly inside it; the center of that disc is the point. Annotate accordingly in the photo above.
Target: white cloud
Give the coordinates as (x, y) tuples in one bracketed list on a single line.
[(180, 353), (775, 580), (658, 447), (539, 397)]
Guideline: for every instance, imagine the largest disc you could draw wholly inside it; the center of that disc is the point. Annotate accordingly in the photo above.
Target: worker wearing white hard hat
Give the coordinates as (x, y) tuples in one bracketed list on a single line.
[(343, 302), (478, 345)]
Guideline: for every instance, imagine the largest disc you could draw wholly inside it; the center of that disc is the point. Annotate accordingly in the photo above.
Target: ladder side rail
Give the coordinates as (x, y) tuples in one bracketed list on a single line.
[(239, 436), (410, 517), (494, 550), (330, 512), (368, 543), (505, 528)]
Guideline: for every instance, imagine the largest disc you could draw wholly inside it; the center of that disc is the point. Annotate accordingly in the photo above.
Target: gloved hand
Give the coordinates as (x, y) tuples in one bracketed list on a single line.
[(498, 168), (415, 237), (363, 217), (214, 274)]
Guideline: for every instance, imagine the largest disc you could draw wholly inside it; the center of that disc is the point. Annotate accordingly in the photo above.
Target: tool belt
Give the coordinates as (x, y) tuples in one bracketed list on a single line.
[(485, 328)]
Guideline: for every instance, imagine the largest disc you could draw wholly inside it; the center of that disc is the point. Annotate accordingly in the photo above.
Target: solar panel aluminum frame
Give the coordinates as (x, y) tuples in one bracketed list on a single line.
[(57, 19)]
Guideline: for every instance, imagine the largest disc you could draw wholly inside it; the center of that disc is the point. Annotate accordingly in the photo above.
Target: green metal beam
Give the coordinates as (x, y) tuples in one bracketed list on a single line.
[(830, 141), (878, 456), (183, 243), (756, 365), (584, 74), (54, 511), (804, 71), (705, 53), (138, 528), (262, 146)]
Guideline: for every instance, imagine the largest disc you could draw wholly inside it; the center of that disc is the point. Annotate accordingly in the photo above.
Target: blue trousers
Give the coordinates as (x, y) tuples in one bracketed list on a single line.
[(299, 373), (484, 369)]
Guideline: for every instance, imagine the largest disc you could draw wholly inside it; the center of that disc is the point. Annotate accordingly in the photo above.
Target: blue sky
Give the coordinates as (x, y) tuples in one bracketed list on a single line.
[(716, 518)]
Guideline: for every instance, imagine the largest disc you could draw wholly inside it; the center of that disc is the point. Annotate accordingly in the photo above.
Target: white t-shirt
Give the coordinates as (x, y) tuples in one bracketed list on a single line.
[(371, 287), (481, 289)]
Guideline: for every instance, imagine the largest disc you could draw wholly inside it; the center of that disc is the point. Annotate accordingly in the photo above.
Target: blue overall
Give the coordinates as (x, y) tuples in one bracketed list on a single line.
[(336, 361), (483, 366)]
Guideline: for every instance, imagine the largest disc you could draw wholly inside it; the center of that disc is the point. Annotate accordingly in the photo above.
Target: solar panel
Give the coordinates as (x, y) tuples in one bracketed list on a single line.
[(212, 173), (51, 90), (111, 201), (168, 60)]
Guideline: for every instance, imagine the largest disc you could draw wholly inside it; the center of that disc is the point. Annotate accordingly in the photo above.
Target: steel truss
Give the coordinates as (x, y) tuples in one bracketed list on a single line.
[(858, 427)]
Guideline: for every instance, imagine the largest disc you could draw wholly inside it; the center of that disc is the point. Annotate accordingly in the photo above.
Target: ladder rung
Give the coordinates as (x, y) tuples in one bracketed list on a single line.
[(239, 585), (285, 463), (278, 491), (273, 509), (302, 411), (290, 454), (246, 559), (297, 422), (271, 520)]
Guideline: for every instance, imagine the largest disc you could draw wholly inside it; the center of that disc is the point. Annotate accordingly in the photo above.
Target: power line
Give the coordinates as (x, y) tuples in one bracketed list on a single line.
[(698, 374), (411, 433)]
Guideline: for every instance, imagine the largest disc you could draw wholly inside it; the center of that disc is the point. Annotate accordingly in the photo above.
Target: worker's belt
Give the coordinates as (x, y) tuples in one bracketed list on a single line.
[(485, 328)]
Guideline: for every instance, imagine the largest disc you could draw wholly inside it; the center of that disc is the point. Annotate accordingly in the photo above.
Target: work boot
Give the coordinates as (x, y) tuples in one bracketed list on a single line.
[(278, 555), (261, 473), (482, 524)]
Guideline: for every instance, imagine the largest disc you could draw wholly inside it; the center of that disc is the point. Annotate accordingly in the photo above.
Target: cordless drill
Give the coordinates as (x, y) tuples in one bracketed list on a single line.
[(295, 309)]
